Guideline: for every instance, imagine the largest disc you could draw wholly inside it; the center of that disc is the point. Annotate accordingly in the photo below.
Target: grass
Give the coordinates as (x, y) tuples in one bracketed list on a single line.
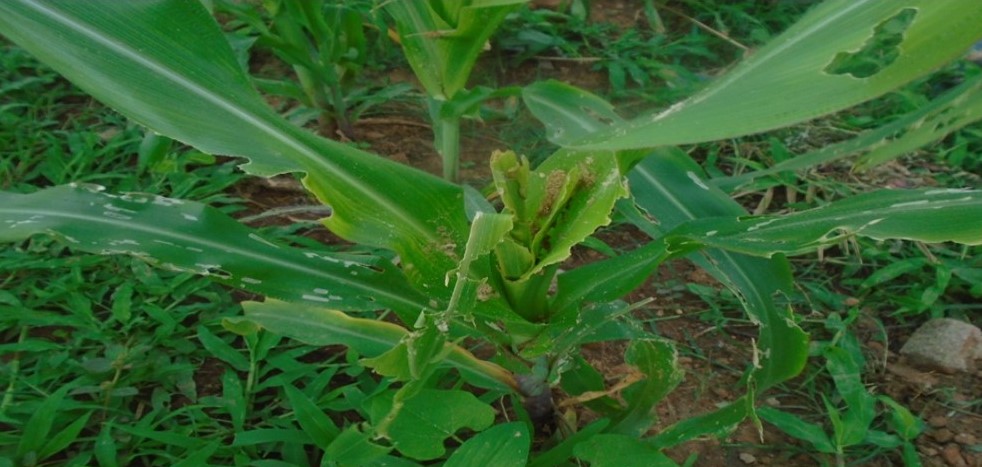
[(107, 361), (138, 354)]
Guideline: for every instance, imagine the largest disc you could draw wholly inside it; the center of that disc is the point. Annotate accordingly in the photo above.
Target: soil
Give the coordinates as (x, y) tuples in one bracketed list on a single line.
[(948, 402)]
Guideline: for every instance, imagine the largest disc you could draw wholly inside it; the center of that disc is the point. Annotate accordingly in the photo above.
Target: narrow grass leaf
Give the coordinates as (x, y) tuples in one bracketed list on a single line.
[(199, 457), (105, 447), (38, 428), (270, 436), (312, 419), (797, 428), (221, 350), (64, 438)]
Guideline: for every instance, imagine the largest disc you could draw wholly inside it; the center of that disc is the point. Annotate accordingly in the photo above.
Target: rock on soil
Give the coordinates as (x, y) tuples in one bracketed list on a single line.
[(946, 344)]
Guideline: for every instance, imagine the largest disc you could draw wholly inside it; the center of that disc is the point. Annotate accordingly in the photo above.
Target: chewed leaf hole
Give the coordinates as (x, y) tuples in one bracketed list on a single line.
[(879, 52)]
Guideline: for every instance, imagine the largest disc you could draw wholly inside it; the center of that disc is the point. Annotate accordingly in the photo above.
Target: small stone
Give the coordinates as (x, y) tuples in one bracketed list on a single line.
[(721, 392), (966, 439), (851, 301), (938, 421), (773, 402), (952, 456), (946, 344), (943, 435), (928, 451), (747, 458)]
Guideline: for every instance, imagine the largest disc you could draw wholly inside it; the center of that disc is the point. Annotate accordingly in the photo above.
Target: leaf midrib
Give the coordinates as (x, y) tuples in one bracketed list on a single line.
[(311, 156), (187, 239)]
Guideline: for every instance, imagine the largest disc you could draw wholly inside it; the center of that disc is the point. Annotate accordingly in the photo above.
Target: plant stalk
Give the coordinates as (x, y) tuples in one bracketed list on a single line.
[(446, 139)]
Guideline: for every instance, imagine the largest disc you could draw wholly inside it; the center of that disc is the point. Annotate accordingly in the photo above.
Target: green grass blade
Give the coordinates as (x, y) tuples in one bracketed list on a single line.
[(189, 236), (64, 438), (312, 419), (798, 428), (38, 428), (796, 76), (167, 65)]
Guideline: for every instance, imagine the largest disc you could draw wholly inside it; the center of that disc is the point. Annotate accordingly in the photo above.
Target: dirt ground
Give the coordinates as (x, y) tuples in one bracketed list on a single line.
[(947, 402)]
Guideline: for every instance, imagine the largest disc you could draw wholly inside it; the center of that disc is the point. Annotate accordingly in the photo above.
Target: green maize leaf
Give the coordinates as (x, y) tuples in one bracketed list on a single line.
[(487, 231), (321, 326), (167, 65), (568, 112), (615, 450), (505, 445), (805, 72), (607, 279), (949, 112), (719, 422), (926, 215), (442, 39), (671, 187), (594, 323), (189, 236), (798, 428), (658, 361), (560, 203)]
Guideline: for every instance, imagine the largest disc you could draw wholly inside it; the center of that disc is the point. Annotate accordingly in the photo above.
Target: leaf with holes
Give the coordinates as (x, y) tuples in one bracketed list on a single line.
[(841, 53), (167, 65), (432, 416), (189, 236), (927, 215)]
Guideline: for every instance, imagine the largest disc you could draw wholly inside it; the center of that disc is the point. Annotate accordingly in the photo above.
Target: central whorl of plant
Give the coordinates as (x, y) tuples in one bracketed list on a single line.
[(465, 268)]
